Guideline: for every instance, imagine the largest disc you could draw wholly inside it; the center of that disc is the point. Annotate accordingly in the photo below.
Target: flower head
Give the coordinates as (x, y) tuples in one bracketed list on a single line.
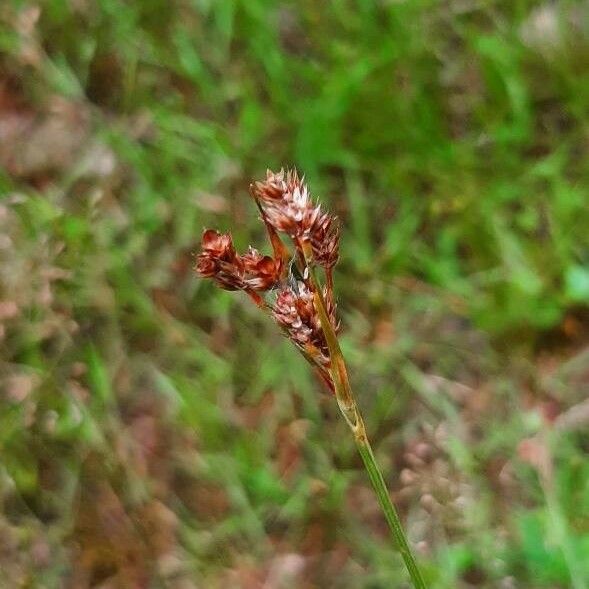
[(324, 236), (219, 260), (286, 203), (295, 312)]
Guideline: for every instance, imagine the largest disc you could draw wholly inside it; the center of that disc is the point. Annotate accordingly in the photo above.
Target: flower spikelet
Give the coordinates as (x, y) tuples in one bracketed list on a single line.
[(324, 236), (295, 312), (286, 203), (219, 260)]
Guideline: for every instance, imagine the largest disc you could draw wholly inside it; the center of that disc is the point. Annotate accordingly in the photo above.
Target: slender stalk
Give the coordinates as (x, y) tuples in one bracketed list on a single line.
[(389, 511), (349, 409)]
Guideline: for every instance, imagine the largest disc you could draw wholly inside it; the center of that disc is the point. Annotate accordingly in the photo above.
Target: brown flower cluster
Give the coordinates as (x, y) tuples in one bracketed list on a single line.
[(219, 260), (288, 208), (294, 310), (285, 283)]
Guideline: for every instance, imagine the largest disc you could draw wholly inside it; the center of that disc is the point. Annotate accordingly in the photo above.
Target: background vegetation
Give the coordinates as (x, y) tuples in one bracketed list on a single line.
[(157, 433)]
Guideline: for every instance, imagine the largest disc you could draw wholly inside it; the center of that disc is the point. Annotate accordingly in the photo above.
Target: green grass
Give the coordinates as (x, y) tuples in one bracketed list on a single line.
[(154, 428)]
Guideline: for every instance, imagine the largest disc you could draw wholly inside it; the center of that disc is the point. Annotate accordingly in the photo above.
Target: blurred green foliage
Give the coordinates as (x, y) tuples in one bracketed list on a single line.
[(450, 138)]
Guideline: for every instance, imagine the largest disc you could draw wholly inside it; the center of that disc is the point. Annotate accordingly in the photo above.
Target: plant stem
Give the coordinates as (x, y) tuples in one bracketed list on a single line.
[(349, 409), (389, 510)]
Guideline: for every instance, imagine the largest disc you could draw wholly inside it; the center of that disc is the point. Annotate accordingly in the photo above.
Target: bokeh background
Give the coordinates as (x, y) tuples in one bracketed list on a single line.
[(156, 432)]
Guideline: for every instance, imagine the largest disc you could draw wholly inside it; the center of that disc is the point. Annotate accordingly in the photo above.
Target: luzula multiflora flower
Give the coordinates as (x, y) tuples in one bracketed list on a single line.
[(282, 283), (287, 286)]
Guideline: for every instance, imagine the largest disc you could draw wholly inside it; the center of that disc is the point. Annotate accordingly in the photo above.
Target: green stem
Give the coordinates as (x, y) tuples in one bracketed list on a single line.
[(389, 511), (349, 409)]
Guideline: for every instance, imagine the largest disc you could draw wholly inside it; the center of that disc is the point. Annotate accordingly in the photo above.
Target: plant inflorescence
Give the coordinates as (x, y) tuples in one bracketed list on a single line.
[(284, 283), (287, 286)]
